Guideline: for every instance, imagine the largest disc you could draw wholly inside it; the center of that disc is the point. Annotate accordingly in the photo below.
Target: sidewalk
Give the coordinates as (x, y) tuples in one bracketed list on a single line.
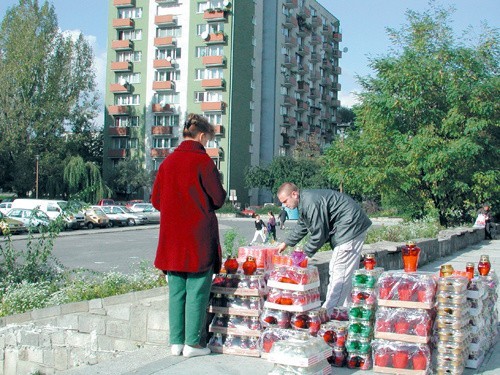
[(158, 361)]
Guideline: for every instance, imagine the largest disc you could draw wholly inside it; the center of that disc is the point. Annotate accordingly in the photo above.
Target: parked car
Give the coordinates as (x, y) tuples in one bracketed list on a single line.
[(5, 207), (249, 211), (53, 209), (133, 218), (115, 219), (139, 207), (33, 220), (106, 202), (129, 204), (151, 213), (96, 217), (13, 226)]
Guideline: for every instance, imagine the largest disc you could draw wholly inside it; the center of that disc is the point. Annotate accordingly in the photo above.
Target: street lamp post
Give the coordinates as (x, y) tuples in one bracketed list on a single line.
[(37, 157), (342, 127)]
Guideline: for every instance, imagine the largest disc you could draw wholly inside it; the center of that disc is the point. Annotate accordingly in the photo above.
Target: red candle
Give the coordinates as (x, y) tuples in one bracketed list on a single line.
[(400, 359), (231, 265), (484, 265), (411, 253), (249, 267), (469, 269), (370, 261)]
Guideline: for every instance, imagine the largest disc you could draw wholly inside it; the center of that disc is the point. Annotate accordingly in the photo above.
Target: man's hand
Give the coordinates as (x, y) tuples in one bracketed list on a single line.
[(281, 247)]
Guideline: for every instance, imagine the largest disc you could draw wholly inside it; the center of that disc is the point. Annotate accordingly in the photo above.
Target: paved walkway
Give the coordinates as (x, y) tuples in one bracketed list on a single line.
[(158, 361)]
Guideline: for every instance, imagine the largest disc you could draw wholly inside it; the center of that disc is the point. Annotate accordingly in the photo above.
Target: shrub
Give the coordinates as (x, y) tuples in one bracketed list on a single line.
[(412, 230)]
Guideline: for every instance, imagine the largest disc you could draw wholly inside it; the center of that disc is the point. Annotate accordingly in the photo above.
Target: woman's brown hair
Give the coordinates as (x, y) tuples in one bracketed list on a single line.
[(196, 124)]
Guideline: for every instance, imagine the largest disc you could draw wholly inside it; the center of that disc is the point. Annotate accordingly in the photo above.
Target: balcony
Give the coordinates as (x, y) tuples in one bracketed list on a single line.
[(214, 60), (337, 53), (290, 41), (159, 108), (314, 76), (335, 103), (123, 3), (121, 66), (118, 153), (290, 22), (161, 130), (164, 41), (327, 64), (219, 129), (327, 29), (290, 3), (337, 37), (315, 57), (302, 86), (122, 45), (213, 106), (304, 12), (290, 62), (289, 81), (166, 20), (159, 152), (214, 83), (289, 101), (163, 85), (303, 69), (289, 121), (302, 105), (337, 70), (214, 15), (123, 23), (315, 21), (216, 38), (117, 88), (118, 110), (337, 86), (118, 131), (162, 64), (315, 40), (327, 47), (313, 94), (326, 81)]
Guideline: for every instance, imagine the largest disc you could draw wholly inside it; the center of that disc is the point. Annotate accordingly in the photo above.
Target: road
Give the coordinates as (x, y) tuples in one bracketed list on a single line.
[(123, 249)]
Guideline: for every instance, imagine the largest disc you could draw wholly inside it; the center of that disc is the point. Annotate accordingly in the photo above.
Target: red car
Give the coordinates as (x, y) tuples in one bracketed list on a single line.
[(249, 211), (106, 202), (132, 202)]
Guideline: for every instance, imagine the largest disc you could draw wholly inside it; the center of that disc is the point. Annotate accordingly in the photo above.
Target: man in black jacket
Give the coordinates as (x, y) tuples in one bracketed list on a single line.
[(328, 216)]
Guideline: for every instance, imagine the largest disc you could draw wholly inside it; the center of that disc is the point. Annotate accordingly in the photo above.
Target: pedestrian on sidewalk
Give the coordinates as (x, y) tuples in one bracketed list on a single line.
[(483, 220), (328, 216), (260, 229), (282, 217), (187, 191), (271, 226)]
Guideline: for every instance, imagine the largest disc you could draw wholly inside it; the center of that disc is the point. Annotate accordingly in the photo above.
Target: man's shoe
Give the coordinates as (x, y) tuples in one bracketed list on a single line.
[(176, 349), (189, 351)]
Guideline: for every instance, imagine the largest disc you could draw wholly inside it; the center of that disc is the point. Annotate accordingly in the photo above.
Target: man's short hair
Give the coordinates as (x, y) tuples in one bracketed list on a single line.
[(287, 188)]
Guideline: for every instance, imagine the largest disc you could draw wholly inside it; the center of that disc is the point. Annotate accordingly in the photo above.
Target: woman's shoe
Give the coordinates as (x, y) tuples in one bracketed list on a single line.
[(189, 351), (176, 349)]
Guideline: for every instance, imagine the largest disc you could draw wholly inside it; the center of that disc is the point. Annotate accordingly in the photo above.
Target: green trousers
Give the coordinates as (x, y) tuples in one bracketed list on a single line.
[(189, 294)]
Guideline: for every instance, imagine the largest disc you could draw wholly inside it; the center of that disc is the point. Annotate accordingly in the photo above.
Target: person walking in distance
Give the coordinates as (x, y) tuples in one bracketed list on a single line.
[(271, 226), (283, 215), (260, 229), (187, 191), (328, 216)]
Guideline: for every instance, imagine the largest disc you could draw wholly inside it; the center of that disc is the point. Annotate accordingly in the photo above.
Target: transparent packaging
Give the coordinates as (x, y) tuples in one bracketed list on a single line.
[(295, 275), (271, 335), (402, 286), (275, 318), (401, 355), (334, 333), (404, 321), (451, 298), (455, 284), (296, 298)]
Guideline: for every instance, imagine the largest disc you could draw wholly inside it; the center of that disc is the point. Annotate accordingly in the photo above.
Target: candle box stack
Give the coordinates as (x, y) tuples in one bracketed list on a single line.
[(482, 296), (403, 322), (237, 302), (452, 323), (361, 317)]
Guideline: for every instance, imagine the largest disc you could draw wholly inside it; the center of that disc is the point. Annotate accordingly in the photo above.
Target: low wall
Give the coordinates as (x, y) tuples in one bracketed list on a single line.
[(58, 338)]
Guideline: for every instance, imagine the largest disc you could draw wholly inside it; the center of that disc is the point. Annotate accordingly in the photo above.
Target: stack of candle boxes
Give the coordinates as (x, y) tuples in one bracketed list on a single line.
[(237, 303), (482, 297), (362, 305), (403, 322)]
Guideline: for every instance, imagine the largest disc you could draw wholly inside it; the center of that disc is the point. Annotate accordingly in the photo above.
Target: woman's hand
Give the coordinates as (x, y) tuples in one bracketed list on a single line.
[(281, 247)]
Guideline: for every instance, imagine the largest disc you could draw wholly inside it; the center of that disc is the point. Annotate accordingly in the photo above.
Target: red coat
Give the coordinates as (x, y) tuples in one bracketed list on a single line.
[(187, 191)]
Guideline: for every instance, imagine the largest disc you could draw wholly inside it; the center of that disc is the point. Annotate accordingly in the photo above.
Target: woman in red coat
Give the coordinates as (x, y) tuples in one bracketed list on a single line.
[(187, 191)]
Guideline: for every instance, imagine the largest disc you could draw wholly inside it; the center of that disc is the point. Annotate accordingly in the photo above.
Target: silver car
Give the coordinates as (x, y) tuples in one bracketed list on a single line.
[(33, 220)]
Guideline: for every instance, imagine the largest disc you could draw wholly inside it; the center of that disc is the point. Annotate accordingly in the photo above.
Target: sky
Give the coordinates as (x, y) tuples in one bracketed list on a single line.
[(363, 25)]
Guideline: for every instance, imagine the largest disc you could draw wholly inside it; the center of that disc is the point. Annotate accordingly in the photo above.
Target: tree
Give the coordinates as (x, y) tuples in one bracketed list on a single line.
[(129, 177), (304, 172), (427, 129), (84, 180), (48, 85)]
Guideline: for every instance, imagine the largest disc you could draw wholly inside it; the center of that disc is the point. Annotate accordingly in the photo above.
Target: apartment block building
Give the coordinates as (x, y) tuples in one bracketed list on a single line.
[(264, 72)]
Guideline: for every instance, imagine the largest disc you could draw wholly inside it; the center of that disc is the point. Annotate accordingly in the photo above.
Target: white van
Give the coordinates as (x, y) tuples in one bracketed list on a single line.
[(53, 209)]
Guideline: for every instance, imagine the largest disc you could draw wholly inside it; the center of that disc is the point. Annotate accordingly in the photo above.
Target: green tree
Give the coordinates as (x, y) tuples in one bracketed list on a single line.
[(304, 172), (84, 180), (48, 85), (129, 177), (427, 129)]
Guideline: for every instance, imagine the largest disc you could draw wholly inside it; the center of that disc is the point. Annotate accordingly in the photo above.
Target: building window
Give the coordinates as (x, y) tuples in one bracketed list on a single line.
[(124, 143), (167, 98), (160, 142), (171, 31), (202, 7), (214, 119), (212, 28), (207, 96), (252, 84), (167, 75), (209, 73), (124, 78), (167, 120), (130, 13), (135, 56), (252, 127), (130, 35), (127, 100), (164, 53), (209, 51), (126, 121)]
